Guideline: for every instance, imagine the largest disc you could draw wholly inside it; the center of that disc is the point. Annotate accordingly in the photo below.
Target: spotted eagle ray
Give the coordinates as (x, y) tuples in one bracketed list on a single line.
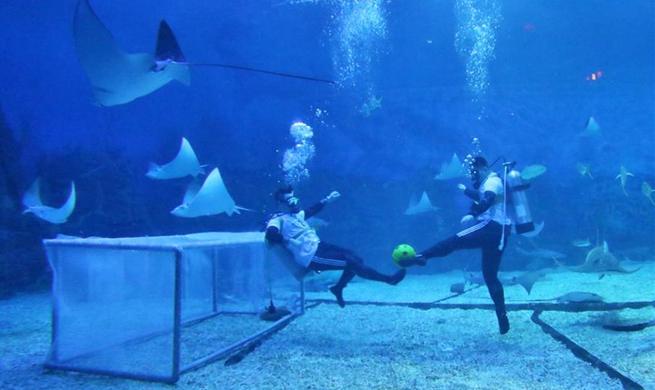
[(451, 170), (118, 77), (209, 199), (599, 260), (32, 200), (185, 163), (422, 206)]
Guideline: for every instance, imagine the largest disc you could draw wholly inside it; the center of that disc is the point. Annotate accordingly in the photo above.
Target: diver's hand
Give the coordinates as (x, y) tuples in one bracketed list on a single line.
[(461, 187), (332, 197), (467, 218)]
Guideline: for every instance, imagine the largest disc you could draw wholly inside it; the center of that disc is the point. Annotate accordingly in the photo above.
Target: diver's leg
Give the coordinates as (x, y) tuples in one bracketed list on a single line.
[(352, 265), (491, 257), (469, 238), (356, 263), (331, 257)]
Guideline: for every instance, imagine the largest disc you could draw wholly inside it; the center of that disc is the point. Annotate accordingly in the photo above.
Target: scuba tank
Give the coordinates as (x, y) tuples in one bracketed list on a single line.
[(520, 208)]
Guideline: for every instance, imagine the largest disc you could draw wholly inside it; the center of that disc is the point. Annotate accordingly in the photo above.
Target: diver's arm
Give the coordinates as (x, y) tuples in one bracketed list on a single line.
[(473, 194), (273, 235), (483, 204), (314, 209)]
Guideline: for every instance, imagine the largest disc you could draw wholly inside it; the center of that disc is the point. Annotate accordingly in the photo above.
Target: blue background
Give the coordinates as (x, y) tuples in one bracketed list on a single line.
[(533, 111)]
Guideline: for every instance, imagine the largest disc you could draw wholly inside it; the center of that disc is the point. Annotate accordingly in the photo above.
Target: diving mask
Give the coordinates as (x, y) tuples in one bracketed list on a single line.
[(291, 200)]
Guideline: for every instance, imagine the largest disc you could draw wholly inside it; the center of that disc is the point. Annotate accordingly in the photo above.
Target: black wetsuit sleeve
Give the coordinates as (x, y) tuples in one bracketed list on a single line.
[(314, 209), (273, 235), (483, 205), (473, 194)]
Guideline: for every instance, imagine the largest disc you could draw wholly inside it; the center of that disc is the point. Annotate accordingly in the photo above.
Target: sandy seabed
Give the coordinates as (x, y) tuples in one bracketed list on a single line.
[(365, 346)]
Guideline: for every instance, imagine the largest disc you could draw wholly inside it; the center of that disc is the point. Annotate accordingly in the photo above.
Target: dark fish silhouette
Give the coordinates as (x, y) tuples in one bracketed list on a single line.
[(630, 328), (579, 297)]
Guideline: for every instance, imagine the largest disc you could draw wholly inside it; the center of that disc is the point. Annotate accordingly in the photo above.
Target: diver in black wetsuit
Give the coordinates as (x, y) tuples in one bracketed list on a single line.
[(491, 228), (291, 229)]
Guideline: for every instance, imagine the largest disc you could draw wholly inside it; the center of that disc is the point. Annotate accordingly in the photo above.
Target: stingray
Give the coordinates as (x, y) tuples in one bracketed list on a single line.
[(32, 200), (579, 297), (528, 279), (451, 170), (422, 206), (118, 77), (185, 163), (525, 280), (599, 260), (209, 199)]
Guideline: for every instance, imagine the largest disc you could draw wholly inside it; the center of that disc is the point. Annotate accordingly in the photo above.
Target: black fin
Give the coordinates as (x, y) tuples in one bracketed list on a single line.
[(167, 46)]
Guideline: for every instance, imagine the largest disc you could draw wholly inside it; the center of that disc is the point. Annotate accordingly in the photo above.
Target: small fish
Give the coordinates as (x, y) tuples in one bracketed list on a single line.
[(584, 169), (623, 175), (370, 106), (647, 191), (592, 128), (457, 288), (532, 171), (541, 253), (581, 243)]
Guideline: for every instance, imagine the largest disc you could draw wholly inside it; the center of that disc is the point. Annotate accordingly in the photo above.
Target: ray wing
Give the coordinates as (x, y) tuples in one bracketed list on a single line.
[(32, 197), (451, 170), (118, 77), (185, 163), (54, 215), (422, 206), (212, 198)]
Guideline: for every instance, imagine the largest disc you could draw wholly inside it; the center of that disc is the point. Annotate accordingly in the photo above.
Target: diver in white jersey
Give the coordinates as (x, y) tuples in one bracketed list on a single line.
[(490, 219), (291, 229)]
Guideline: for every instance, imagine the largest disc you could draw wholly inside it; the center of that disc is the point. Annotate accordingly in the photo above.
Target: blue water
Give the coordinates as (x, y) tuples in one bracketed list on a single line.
[(511, 73)]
